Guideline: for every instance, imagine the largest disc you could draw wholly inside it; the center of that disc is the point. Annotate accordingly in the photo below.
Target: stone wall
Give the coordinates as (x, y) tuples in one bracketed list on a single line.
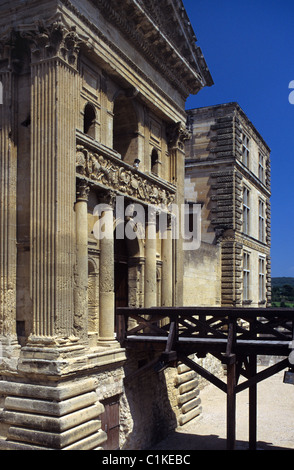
[(149, 406), (202, 279)]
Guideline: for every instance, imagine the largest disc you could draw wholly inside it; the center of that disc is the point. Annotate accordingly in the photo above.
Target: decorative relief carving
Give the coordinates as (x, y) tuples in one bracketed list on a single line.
[(119, 177)]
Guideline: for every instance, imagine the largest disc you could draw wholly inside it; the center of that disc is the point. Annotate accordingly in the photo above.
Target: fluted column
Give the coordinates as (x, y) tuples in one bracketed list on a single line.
[(81, 271), (54, 91), (167, 267), (150, 263), (106, 284), (8, 175)]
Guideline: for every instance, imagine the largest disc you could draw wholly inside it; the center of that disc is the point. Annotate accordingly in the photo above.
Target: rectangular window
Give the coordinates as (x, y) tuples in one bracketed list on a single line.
[(246, 210), (245, 150), (261, 223), (246, 276), (261, 279), (261, 168)]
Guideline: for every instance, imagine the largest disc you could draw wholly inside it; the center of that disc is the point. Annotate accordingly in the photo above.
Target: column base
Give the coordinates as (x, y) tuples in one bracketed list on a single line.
[(9, 352), (52, 356), (108, 343)]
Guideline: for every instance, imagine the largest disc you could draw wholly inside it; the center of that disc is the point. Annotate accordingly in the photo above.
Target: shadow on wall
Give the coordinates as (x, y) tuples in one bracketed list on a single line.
[(147, 416)]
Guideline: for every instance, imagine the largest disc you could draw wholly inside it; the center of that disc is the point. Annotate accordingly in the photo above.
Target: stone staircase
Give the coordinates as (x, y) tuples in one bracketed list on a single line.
[(189, 402)]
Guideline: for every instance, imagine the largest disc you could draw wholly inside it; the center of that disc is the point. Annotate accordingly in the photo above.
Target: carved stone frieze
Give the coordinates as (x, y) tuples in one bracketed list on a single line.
[(118, 176)]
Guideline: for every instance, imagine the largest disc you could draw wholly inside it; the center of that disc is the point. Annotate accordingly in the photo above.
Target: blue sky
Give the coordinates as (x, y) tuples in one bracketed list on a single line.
[(249, 50)]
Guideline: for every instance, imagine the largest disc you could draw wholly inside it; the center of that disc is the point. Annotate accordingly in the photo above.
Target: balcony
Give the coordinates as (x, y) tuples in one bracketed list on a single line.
[(104, 169)]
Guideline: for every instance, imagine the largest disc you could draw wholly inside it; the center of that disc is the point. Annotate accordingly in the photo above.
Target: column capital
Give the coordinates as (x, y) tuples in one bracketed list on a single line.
[(108, 198), (177, 134), (83, 190), (49, 39)]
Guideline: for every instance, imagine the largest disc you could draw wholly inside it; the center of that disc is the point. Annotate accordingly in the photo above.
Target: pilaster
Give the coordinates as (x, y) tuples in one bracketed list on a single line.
[(177, 135)]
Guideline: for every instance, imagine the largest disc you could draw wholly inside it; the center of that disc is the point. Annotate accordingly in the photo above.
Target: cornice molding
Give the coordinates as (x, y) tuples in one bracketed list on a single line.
[(174, 66)]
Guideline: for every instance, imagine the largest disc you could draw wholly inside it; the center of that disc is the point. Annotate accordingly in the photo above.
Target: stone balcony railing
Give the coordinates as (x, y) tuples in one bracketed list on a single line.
[(104, 168)]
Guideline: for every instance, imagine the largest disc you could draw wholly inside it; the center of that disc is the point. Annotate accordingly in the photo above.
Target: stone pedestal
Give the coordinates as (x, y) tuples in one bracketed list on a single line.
[(61, 416)]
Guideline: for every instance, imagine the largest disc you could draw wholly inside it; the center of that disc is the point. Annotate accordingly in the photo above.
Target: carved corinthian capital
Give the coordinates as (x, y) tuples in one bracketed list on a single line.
[(53, 40), (177, 134), (41, 40), (83, 190)]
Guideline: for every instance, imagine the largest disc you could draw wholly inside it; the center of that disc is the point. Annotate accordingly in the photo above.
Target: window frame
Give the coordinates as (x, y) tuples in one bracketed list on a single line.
[(261, 279), (246, 276), (246, 210), (261, 168), (245, 150), (261, 220)]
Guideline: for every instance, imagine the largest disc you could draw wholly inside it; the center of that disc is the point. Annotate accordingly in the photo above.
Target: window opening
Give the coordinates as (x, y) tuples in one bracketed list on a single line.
[(261, 279), (246, 276), (89, 120), (246, 210), (154, 162), (245, 150), (261, 221)]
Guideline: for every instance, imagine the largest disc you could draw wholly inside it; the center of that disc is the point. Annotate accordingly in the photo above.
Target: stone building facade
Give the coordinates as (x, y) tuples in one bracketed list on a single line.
[(228, 174), (93, 126)]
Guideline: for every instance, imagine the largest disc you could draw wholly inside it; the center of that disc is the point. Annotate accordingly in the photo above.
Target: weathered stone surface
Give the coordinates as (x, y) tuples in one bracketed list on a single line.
[(94, 108), (219, 187)]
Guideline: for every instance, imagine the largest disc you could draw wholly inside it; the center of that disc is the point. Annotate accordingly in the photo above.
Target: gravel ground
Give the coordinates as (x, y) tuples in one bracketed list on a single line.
[(275, 430)]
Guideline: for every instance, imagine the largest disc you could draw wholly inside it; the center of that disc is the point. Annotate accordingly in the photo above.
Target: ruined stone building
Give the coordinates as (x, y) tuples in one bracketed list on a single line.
[(93, 124), (228, 174)]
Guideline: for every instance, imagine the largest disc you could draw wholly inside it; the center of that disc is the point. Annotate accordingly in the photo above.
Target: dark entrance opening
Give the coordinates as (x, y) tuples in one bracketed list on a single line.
[(121, 271)]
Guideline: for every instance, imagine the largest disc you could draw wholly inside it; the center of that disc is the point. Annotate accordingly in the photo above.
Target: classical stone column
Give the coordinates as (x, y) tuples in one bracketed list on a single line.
[(81, 271), (167, 267), (177, 134), (8, 175), (106, 278), (54, 90), (150, 263)]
